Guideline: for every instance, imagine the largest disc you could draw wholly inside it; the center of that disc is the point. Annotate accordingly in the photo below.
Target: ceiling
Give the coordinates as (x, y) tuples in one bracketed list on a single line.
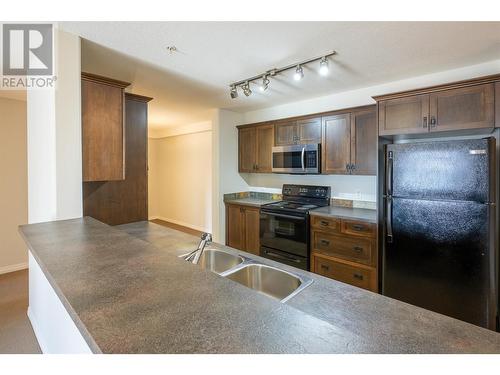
[(211, 55)]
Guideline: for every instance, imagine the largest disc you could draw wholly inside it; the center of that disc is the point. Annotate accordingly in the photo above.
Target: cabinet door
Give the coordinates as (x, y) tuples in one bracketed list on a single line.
[(265, 143), (337, 144), (464, 108), (408, 115), (286, 133), (364, 142), (247, 149), (102, 132), (309, 130), (252, 230), (235, 227)]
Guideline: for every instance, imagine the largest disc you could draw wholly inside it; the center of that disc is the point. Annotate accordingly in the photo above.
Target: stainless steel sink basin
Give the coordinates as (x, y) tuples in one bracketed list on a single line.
[(269, 280), (219, 261)]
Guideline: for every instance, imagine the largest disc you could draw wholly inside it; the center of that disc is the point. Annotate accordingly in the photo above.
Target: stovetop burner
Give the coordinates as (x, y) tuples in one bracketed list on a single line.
[(301, 198)]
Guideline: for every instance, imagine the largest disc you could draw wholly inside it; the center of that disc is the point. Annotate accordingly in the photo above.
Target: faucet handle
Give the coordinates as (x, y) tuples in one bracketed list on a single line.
[(206, 237)]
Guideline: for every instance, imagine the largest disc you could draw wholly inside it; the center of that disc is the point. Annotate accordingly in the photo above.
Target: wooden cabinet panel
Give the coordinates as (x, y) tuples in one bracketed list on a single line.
[(325, 223), (362, 277), (359, 250), (102, 129), (247, 150), (407, 115), (126, 201), (265, 143), (364, 142), (235, 227), (359, 228), (497, 104), (309, 130), (243, 228), (286, 133), (337, 144), (464, 108), (252, 228)]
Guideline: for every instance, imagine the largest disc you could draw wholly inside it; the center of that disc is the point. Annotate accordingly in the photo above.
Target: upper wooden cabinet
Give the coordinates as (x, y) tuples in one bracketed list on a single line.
[(298, 131), (463, 108), (350, 143), (103, 149), (407, 115), (465, 105), (255, 148)]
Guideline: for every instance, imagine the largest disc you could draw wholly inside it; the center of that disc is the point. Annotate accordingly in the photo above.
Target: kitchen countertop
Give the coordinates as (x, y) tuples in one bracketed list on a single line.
[(128, 292), (346, 213), (253, 202)]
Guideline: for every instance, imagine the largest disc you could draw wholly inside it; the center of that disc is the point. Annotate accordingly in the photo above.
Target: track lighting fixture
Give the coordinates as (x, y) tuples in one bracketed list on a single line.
[(265, 83), (234, 92), (265, 77), (299, 73), (246, 89), (323, 66)]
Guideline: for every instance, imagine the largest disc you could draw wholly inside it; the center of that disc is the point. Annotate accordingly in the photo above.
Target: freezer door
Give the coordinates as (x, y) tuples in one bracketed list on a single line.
[(450, 170), (439, 258)]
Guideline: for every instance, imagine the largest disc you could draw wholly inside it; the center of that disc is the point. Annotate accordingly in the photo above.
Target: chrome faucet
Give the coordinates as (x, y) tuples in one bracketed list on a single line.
[(194, 256)]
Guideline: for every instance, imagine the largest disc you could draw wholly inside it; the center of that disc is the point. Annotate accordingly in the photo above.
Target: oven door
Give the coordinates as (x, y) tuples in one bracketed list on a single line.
[(285, 258), (298, 159), (283, 232)]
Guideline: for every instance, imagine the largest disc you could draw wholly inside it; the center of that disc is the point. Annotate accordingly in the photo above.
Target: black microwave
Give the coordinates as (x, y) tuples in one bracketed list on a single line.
[(297, 159)]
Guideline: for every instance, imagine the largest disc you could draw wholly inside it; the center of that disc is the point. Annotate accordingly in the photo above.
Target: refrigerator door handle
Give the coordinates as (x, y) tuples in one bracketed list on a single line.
[(388, 214), (388, 172)]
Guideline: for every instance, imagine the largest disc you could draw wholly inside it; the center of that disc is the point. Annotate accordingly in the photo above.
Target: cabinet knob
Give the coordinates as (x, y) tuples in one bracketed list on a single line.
[(358, 276), (424, 123), (358, 227), (326, 268), (358, 249), (353, 167), (433, 122), (324, 223), (325, 242)]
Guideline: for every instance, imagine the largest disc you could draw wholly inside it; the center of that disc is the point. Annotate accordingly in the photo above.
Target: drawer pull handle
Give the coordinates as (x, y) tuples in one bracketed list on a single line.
[(326, 268), (324, 223), (358, 276), (358, 227), (325, 242), (358, 249)]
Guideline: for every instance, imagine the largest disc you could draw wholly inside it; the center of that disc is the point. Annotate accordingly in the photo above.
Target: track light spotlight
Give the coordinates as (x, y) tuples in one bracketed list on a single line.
[(299, 73), (234, 92), (265, 83), (246, 89), (323, 66)]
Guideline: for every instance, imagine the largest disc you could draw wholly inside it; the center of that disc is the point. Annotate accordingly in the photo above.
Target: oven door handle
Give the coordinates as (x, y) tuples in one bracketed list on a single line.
[(302, 158), (282, 257), (284, 216)]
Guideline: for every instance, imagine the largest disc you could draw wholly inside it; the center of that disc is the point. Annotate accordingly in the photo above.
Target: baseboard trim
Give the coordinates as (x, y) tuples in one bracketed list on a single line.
[(13, 268), (36, 330), (200, 229)]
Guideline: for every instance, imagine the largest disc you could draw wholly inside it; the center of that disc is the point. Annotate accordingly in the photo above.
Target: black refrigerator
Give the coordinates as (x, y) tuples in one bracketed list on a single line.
[(439, 248)]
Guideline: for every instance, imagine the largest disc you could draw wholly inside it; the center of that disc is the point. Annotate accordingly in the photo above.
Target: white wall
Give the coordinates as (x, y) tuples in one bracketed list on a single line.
[(351, 187), (13, 184), (226, 178), (54, 139), (180, 179)]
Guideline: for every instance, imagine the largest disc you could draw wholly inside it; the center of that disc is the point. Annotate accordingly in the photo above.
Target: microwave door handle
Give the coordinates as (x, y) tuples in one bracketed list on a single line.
[(302, 158)]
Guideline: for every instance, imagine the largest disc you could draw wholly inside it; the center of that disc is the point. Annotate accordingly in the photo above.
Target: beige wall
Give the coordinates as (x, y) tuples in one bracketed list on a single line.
[(180, 179), (13, 184)]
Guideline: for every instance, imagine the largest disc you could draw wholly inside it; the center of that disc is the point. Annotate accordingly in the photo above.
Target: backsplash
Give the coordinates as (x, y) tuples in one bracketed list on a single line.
[(339, 202)]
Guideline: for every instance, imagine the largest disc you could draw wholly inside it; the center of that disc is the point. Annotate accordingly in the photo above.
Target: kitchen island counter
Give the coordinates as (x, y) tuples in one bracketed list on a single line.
[(127, 291)]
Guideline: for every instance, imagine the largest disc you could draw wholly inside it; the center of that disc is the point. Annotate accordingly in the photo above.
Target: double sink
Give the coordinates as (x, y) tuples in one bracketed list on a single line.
[(264, 279)]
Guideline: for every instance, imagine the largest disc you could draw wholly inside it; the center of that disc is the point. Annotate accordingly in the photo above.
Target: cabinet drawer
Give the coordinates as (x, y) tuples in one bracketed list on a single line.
[(325, 223), (359, 228), (352, 248), (361, 277)]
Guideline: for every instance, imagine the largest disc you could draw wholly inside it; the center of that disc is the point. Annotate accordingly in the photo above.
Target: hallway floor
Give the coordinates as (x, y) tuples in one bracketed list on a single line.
[(16, 334)]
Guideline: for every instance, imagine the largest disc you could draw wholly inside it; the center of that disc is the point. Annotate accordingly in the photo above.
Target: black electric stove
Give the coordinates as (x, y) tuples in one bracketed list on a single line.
[(284, 225)]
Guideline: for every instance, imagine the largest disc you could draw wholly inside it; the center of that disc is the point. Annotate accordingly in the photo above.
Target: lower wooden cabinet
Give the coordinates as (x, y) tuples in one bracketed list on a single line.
[(347, 272), (345, 250), (243, 228)]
